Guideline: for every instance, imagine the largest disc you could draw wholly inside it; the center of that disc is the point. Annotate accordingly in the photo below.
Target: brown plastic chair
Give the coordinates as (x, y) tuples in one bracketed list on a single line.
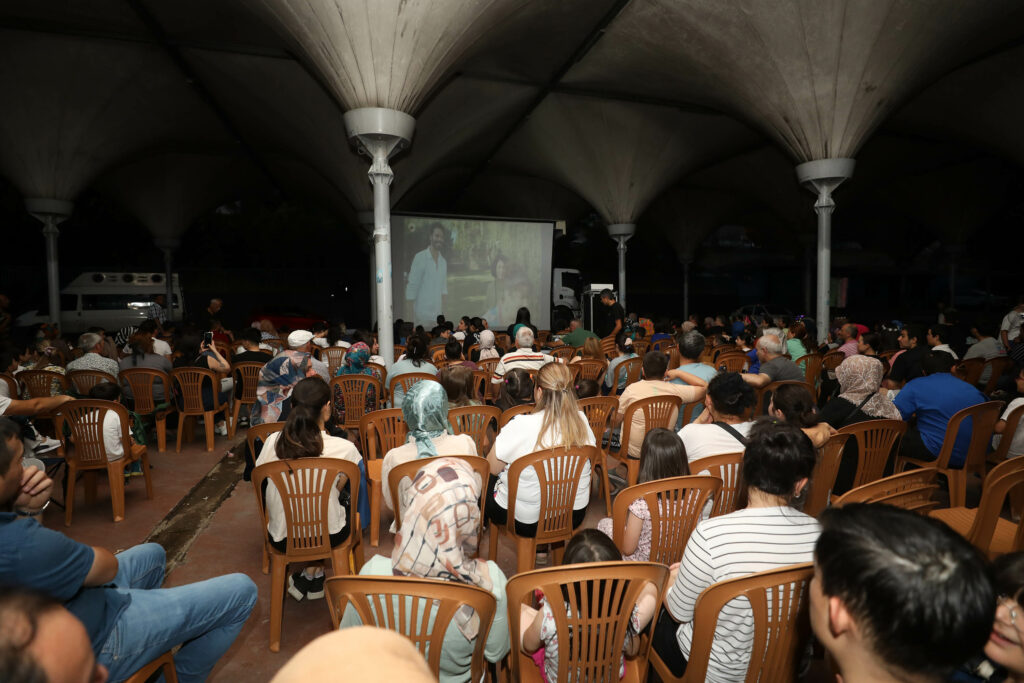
[(306, 485), (482, 385), (564, 352), (998, 366), (164, 662), (765, 393), (592, 604), (558, 472), (608, 347), (631, 368), (82, 381), (983, 421), (543, 336), (733, 362), (247, 379), (13, 386), (969, 370), (436, 354), (188, 383), (663, 345), (379, 432), (84, 421), (675, 505), (824, 476), (812, 369), (599, 411), (474, 420), (406, 382), (726, 467), (1013, 421), (379, 371), (641, 347), (419, 609), (354, 390), (910, 490), (470, 350), (658, 411), (276, 343), (334, 356), (876, 441), (502, 340), (488, 364), (688, 409), (140, 381), (507, 415), (832, 360), (260, 432), (779, 600), (409, 470), (42, 383), (399, 350)]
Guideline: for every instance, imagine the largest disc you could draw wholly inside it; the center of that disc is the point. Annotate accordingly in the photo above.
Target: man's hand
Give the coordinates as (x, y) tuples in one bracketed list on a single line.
[(35, 490)]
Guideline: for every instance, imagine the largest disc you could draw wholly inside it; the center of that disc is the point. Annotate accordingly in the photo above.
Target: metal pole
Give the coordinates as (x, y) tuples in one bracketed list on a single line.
[(373, 285), (824, 208), (51, 232), (168, 284), (622, 272), (381, 176)]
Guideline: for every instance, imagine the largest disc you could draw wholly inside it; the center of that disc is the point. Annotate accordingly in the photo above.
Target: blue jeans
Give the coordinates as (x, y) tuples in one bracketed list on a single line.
[(203, 617)]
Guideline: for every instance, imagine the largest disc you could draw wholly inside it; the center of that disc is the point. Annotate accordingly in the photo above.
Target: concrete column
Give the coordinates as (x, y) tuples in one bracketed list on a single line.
[(366, 223), (621, 232), (51, 213)]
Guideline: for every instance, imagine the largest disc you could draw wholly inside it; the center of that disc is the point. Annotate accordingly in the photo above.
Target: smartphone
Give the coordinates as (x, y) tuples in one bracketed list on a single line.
[(208, 338)]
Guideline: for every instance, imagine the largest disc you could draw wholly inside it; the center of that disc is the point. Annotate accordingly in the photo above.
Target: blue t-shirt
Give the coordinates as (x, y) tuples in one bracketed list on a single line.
[(34, 556), (935, 399), (705, 372)]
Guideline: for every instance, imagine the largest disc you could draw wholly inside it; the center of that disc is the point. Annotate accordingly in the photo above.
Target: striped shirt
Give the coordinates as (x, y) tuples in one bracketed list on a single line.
[(524, 359), (727, 547)]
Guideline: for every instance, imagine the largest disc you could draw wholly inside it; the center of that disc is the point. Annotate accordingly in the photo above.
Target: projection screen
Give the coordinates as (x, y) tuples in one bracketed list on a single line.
[(458, 265)]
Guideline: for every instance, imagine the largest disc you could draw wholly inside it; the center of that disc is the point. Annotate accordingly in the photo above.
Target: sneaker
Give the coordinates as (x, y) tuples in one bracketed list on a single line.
[(297, 586), (45, 445), (221, 429), (316, 588)]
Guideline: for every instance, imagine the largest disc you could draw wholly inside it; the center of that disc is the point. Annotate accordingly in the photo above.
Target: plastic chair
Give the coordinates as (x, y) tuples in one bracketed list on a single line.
[(632, 369), (910, 490), (599, 411), (983, 421), (488, 364), (983, 526), (379, 371), (564, 352), (379, 432), (824, 476), (592, 604), (876, 441), (779, 601), (1013, 421), (726, 467), (164, 662), (334, 356), (543, 336), (140, 381), (474, 420), (608, 347), (812, 369), (260, 432), (658, 411), (558, 472), (733, 362), (436, 354), (969, 370), (247, 379), (409, 469), (507, 415), (675, 505), (82, 381), (641, 347), (13, 385), (276, 343), (41, 383), (502, 340), (419, 609), (832, 360), (765, 393), (399, 350), (189, 385), (406, 381), (663, 345), (84, 421), (688, 409), (306, 485), (998, 366), (355, 390)]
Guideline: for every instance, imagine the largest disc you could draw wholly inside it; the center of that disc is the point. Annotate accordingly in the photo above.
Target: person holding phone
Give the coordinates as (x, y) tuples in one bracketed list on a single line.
[(201, 352)]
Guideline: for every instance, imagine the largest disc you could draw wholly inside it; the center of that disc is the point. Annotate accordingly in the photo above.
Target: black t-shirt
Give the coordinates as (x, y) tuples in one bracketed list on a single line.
[(907, 365), (840, 413), (251, 357), (614, 312)]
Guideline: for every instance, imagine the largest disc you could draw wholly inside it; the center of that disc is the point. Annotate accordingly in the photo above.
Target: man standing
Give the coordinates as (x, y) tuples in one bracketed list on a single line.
[(427, 287), (614, 315), (1010, 329), (210, 314)]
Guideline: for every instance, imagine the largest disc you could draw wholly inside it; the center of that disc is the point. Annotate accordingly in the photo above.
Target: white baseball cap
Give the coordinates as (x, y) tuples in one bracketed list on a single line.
[(299, 338)]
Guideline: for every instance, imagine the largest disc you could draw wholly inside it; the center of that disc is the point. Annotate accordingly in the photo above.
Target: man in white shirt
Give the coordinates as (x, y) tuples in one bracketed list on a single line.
[(936, 339), (427, 286), (1010, 329), (92, 347), (523, 357), (160, 347)]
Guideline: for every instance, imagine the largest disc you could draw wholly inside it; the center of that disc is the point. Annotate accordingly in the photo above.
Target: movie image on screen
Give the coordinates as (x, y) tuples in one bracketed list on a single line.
[(459, 266)]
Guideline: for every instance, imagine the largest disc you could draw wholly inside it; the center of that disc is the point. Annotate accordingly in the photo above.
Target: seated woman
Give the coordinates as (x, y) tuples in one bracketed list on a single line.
[(196, 353), (591, 351), (556, 422), (515, 390), (794, 404), (624, 351), (1005, 645), (487, 350), (415, 360), (437, 540), (356, 358), (723, 426), (304, 436), (798, 343), (458, 382), (765, 534), (143, 356)]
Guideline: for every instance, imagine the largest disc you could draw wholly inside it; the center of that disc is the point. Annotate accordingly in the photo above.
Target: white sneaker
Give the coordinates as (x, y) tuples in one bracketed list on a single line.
[(46, 444), (221, 429)]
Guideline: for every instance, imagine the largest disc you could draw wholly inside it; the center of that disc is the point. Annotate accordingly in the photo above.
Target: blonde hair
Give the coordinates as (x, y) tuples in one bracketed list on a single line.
[(558, 403), (592, 349)]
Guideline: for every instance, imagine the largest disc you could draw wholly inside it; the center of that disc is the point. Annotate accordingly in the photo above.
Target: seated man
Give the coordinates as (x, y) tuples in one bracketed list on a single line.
[(160, 347), (93, 348), (523, 357), (252, 350), (848, 335), (774, 366), (933, 400), (577, 335), (130, 620), (653, 384), (907, 365), (938, 340), (897, 596), (690, 346), (986, 347)]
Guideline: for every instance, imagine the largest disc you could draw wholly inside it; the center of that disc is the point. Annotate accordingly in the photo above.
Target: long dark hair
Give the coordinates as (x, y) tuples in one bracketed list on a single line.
[(416, 349), (515, 390), (800, 333), (662, 455), (796, 404), (301, 436), (523, 316)]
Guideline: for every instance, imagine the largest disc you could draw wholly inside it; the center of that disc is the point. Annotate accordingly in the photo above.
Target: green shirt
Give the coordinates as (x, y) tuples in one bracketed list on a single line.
[(578, 336)]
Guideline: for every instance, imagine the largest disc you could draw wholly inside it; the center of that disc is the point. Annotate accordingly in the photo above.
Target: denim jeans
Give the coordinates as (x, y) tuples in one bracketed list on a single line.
[(203, 617)]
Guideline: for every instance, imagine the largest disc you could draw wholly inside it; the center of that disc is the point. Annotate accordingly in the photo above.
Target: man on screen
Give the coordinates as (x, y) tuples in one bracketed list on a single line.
[(427, 287)]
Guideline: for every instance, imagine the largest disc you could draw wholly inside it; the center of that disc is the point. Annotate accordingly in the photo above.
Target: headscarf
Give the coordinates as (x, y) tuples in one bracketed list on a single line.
[(425, 410), (123, 335), (487, 349), (277, 379), (356, 358), (861, 376), (440, 520)]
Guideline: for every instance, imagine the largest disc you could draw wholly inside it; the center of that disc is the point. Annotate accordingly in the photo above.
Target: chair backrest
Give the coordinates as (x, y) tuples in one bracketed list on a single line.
[(399, 350), (356, 392), (641, 347), (189, 383), (812, 368), (608, 347), (470, 350), (599, 411), (779, 601), (39, 383), (13, 386), (1013, 421), (632, 368), (276, 343), (380, 431), (970, 369), (998, 366), (260, 432), (591, 369), (409, 469), (908, 490), (502, 340), (84, 419), (140, 381), (379, 371), (876, 439), (407, 381), (507, 415), (84, 380), (247, 378), (675, 505), (419, 609), (306, 486), (223, 348), (482, 385), (726, 467), (765, 393), (658, 411), (1000, 482), (543, 336), (688, 409), (565, 352), (733, 362), (592, 603), (558, 472), (436, 354), (488, 364), (664, 345), (824, 476), (334, 356), (832, 360), (474, 420), (983, 418)]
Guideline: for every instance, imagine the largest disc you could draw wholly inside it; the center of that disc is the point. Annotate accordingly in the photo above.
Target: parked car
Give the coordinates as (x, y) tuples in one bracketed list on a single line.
[(287, 319)]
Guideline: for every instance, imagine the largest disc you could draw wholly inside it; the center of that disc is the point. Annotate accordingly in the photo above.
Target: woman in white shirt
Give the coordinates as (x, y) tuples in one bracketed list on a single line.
[(556, 421), (304, 436)]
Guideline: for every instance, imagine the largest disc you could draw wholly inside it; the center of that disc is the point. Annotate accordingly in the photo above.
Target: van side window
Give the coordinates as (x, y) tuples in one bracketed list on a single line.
[(112, 302)]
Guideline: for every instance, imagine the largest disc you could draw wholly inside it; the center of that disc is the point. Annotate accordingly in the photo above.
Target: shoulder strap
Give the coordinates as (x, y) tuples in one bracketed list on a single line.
[(855, 409), (733, 432)]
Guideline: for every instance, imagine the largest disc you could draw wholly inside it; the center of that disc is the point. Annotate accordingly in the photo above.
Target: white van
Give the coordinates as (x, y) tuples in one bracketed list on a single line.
[(110, 301)]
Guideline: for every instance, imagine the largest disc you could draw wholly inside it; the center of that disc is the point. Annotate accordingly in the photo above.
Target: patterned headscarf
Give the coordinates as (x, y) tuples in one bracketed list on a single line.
[(356, 358), (123, 335), (860, 377), (487, 349), (425, 410), (440, 518), (277, 379)]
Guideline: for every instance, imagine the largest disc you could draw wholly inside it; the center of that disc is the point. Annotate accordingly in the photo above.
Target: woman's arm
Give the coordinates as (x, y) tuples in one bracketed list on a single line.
[(531, 636), (689, 378), (217, 363), (631, 538), (1000, 427), (497, 466)]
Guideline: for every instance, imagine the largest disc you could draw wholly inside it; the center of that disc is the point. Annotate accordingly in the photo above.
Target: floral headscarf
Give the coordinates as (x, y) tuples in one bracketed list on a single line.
[(440, 519), (860, 377), (356, 358), (487, 349), (425, 410)]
